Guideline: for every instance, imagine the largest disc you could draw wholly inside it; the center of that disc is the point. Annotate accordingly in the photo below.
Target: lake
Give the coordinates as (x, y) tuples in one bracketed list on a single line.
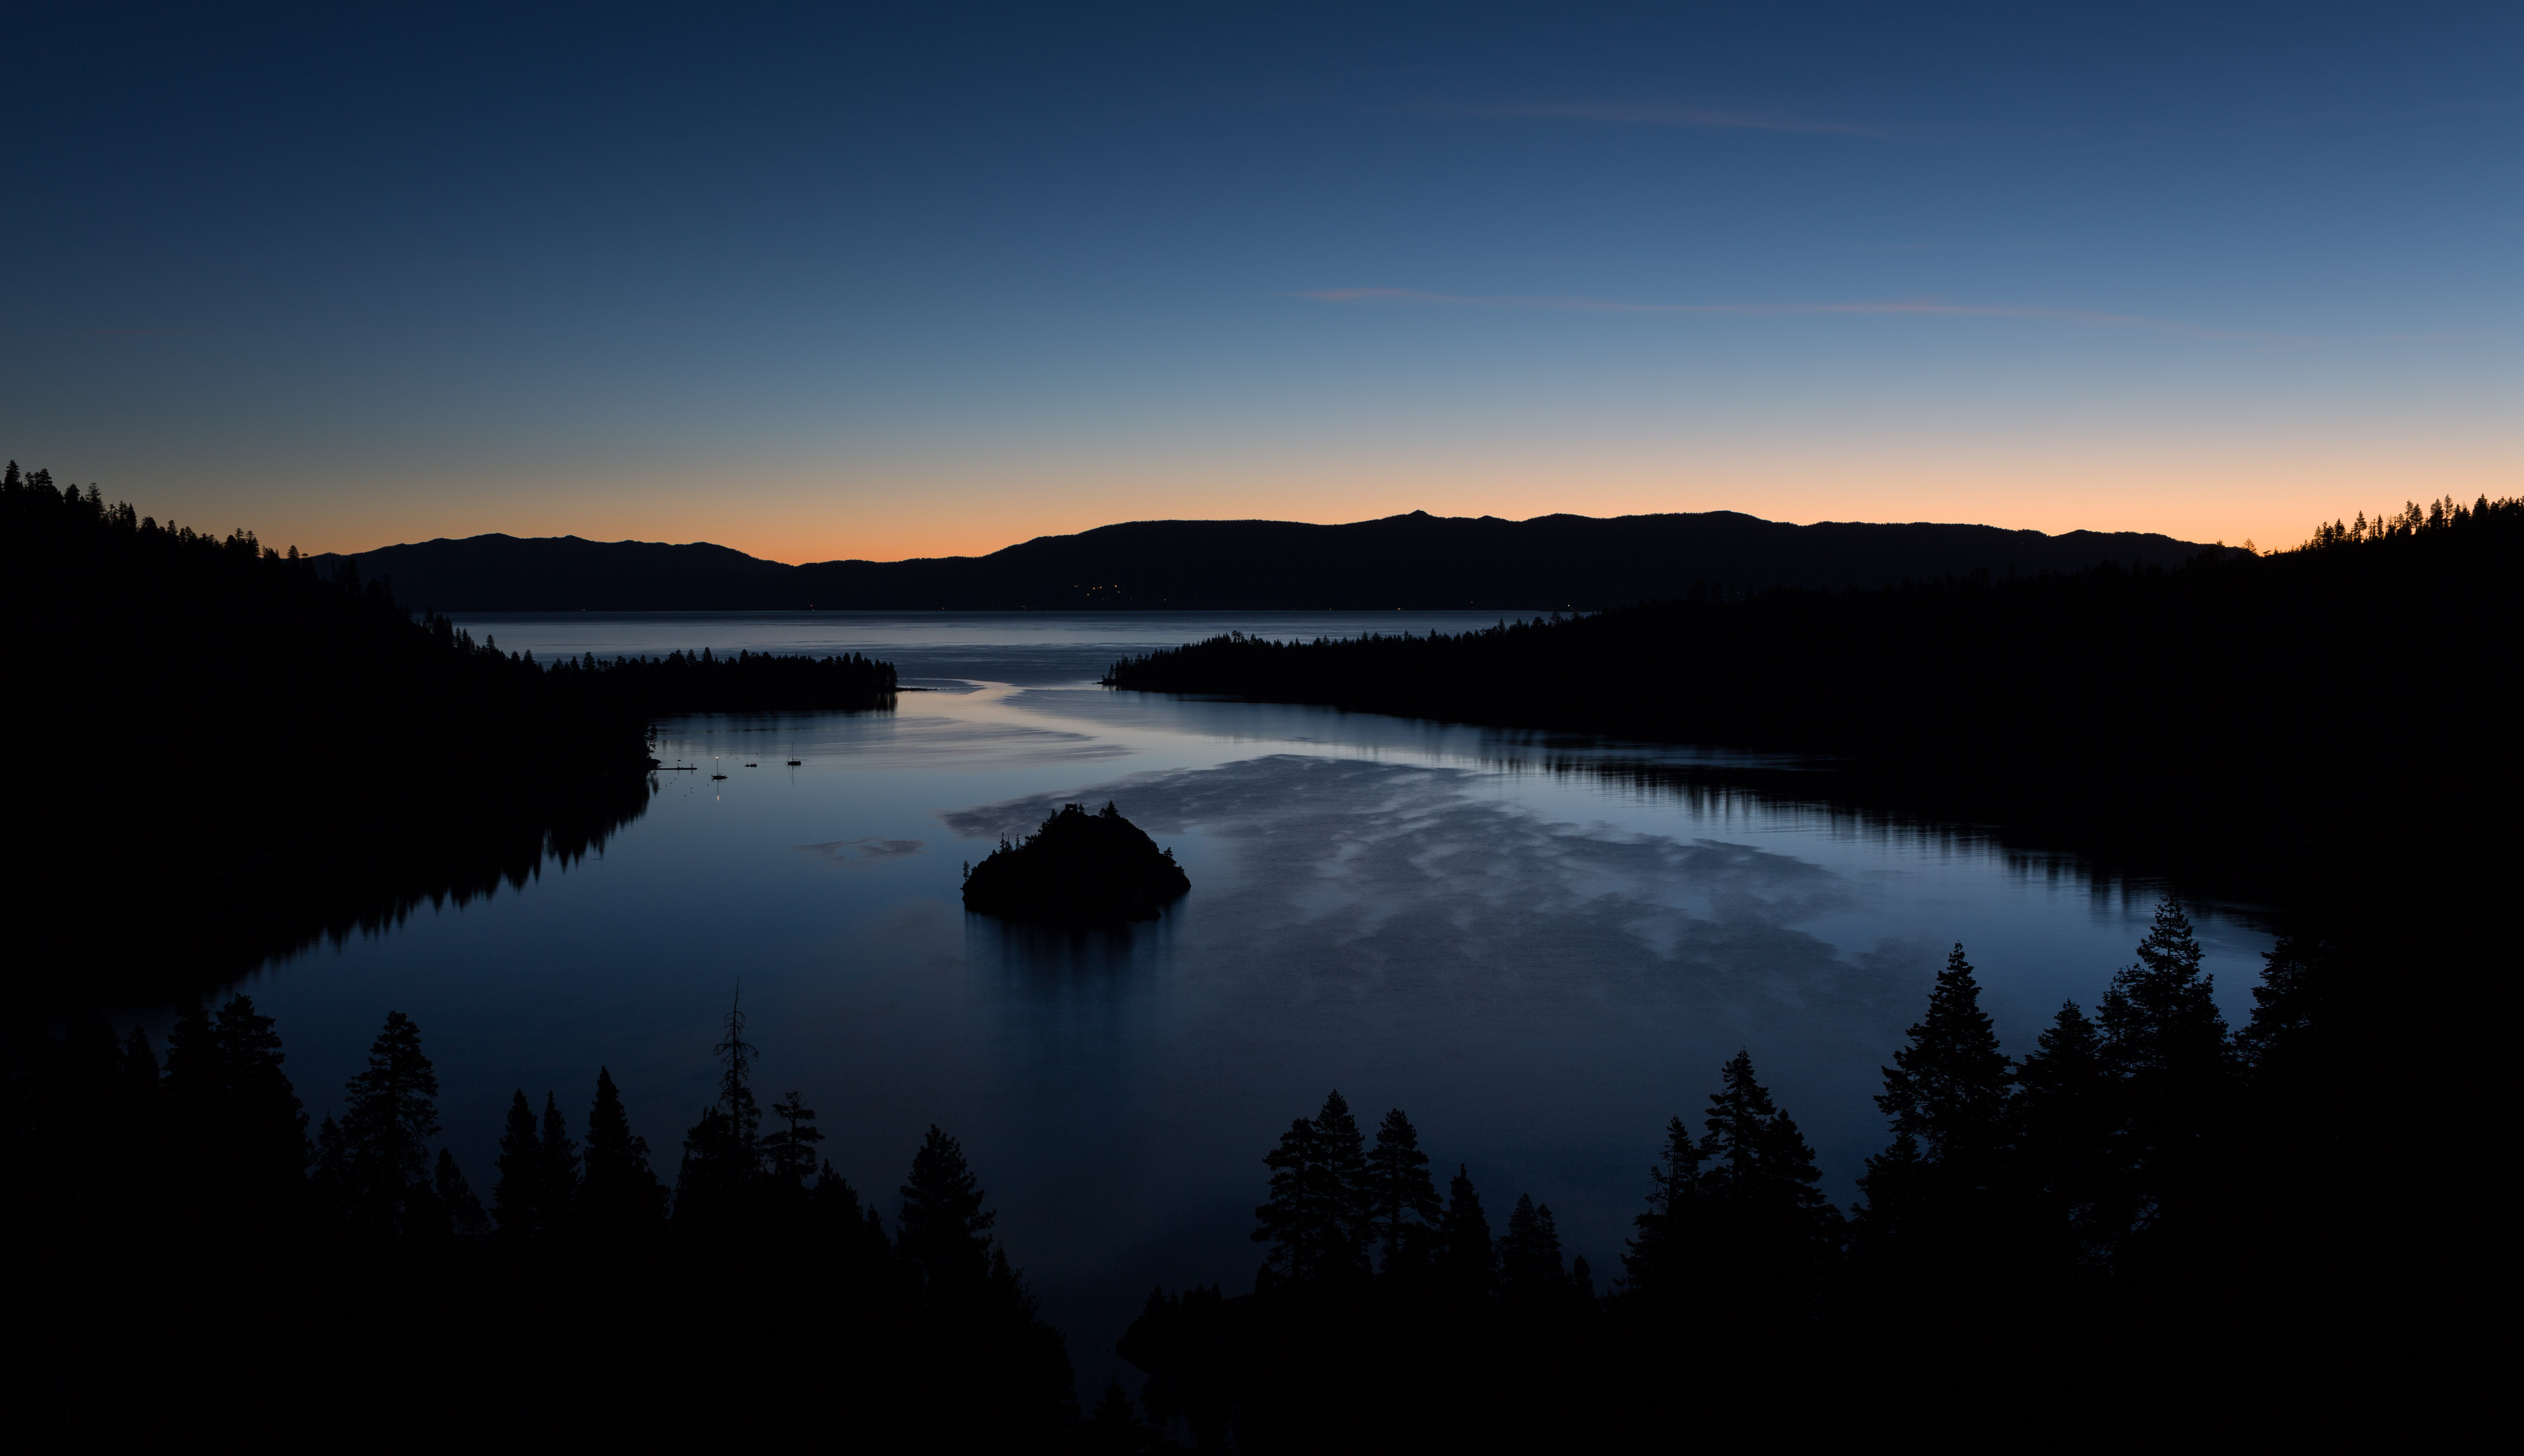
[(1511, 937)]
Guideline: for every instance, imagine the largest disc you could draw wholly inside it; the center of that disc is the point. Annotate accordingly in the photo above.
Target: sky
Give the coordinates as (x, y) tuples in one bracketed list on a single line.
[(825, 281)]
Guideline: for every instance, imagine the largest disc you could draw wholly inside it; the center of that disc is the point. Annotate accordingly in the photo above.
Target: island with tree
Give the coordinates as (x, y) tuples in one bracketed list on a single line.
[(1078, 869)]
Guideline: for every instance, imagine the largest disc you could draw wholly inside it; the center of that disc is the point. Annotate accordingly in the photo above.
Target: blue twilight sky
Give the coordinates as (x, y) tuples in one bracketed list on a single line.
[(822, 281)]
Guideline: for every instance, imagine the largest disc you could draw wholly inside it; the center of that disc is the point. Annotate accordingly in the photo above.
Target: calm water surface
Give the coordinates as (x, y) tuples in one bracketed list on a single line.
[(1538, 962)]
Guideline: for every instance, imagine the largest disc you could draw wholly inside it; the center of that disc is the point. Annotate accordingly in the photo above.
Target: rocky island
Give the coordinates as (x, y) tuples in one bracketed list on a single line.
[(1079, 869)]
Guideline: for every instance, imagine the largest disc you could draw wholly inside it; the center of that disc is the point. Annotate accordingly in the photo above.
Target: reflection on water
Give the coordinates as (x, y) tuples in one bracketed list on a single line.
[(1050, 961), (1539, 953)]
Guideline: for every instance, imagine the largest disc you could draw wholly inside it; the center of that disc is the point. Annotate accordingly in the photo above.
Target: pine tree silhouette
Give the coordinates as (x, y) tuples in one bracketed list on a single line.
[(1320, 1214), (2293, 1009), (943, 1235), (1403, 1200), (2173, 1070), (2160, 1018), (715, 1181), (1297, 1218), (2063, 1116), (2164, 1039), (1946, 1097), (1762, 1187), (235, 1124), (1531, 1272), (1466, 1263), (1658, 1260), (1345, 1186), (1947, 1089), (270, 1123), (1758, 1158), (736, 1080), (1932, 1238), (621, 1197), (378, 1153), (791, 1150), (717, 1185)]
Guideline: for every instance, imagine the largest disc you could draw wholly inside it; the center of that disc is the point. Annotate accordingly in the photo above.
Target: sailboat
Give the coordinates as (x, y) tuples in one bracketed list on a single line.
[(714, 760)]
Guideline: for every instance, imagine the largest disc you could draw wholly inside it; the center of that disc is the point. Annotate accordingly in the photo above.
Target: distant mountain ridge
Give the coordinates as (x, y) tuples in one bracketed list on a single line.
[(1417, 561)]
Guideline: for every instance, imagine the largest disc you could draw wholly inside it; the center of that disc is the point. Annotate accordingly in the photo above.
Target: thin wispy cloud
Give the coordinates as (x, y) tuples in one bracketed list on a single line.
[(1904, 307), (1703, 117)]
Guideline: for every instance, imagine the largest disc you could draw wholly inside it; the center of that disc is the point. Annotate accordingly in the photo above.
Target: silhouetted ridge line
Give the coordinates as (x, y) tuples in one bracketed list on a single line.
[(1412, 562)]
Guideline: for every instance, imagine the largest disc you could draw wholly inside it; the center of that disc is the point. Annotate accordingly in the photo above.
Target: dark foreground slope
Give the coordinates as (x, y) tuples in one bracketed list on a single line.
[(2150, 1203), (211, 1262), (223, 752), (1411, 561)]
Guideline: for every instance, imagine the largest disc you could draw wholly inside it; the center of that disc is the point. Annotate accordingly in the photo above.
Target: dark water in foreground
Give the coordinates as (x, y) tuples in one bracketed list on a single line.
[(1540, 964)]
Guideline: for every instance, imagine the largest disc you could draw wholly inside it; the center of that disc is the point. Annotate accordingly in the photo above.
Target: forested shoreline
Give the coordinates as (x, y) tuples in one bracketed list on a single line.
[(297, 756), (2095, 1213), (2043, 1221), (578, 1295), (2246, 700)]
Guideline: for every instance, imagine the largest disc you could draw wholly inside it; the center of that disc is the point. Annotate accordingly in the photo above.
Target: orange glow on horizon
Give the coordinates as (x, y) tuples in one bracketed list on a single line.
[(799, 515)]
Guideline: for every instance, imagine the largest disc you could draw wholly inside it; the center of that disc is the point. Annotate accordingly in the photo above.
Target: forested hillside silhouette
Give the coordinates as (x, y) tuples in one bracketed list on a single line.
[(2092, 1215), (228, 753), (2217, 693), (1417, 560), (2143, 1202), (211, 1257)]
